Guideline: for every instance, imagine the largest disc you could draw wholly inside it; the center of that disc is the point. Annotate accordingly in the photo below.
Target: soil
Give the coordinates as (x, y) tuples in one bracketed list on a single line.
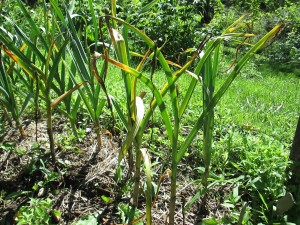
[(83, 177)]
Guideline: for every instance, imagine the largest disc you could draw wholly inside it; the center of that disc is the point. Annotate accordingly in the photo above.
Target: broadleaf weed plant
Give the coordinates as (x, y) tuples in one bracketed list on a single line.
[(206, 67), (38, 212)]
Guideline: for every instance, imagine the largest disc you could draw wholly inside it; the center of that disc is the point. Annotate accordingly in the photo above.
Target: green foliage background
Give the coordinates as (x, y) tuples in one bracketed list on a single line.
[(179, 25)]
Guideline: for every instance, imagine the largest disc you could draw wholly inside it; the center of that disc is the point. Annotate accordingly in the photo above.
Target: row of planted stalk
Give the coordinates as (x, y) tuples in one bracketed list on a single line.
[(54, 64)]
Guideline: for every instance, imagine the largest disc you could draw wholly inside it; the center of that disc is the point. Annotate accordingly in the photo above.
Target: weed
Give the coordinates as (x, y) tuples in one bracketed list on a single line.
[(88, 220), (39, 212), (125, 211)]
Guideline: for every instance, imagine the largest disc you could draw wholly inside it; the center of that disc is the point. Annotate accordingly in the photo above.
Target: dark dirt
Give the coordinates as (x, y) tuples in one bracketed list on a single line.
[(83, 176)]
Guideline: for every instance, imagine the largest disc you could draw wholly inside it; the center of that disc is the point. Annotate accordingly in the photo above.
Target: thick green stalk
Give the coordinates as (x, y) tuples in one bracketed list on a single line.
[(73, 127), (174, 140), (148, 173), (138, 160), (50, 130), (173, 177), (98, 132), (120, 42), (173, 193), (137, 179), (208, 87), (137, 176)]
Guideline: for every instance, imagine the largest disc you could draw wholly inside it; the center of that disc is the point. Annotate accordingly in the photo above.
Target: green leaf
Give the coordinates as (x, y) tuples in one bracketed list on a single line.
[(56, 61), (148, 172), (60, 98), (89, 220), (25, 103), (211, 221), (36, 30), (147, 7), (106, 199), (140, 110), (23, 62), (16, 194), (119, 111)]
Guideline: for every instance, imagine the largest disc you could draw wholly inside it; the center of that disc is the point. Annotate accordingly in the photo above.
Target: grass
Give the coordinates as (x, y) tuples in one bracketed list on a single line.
[(262, 103)]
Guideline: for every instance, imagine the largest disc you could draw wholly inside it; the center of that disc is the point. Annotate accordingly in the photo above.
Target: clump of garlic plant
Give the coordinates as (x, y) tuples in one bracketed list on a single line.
[(204, 74), (43, 56)]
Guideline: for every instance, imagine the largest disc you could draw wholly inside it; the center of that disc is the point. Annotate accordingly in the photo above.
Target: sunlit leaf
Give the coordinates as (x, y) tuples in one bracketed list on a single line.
[(60, 98)]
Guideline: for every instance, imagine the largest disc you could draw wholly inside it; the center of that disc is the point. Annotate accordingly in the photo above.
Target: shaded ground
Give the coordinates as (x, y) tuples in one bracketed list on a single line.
[(84, 177)]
